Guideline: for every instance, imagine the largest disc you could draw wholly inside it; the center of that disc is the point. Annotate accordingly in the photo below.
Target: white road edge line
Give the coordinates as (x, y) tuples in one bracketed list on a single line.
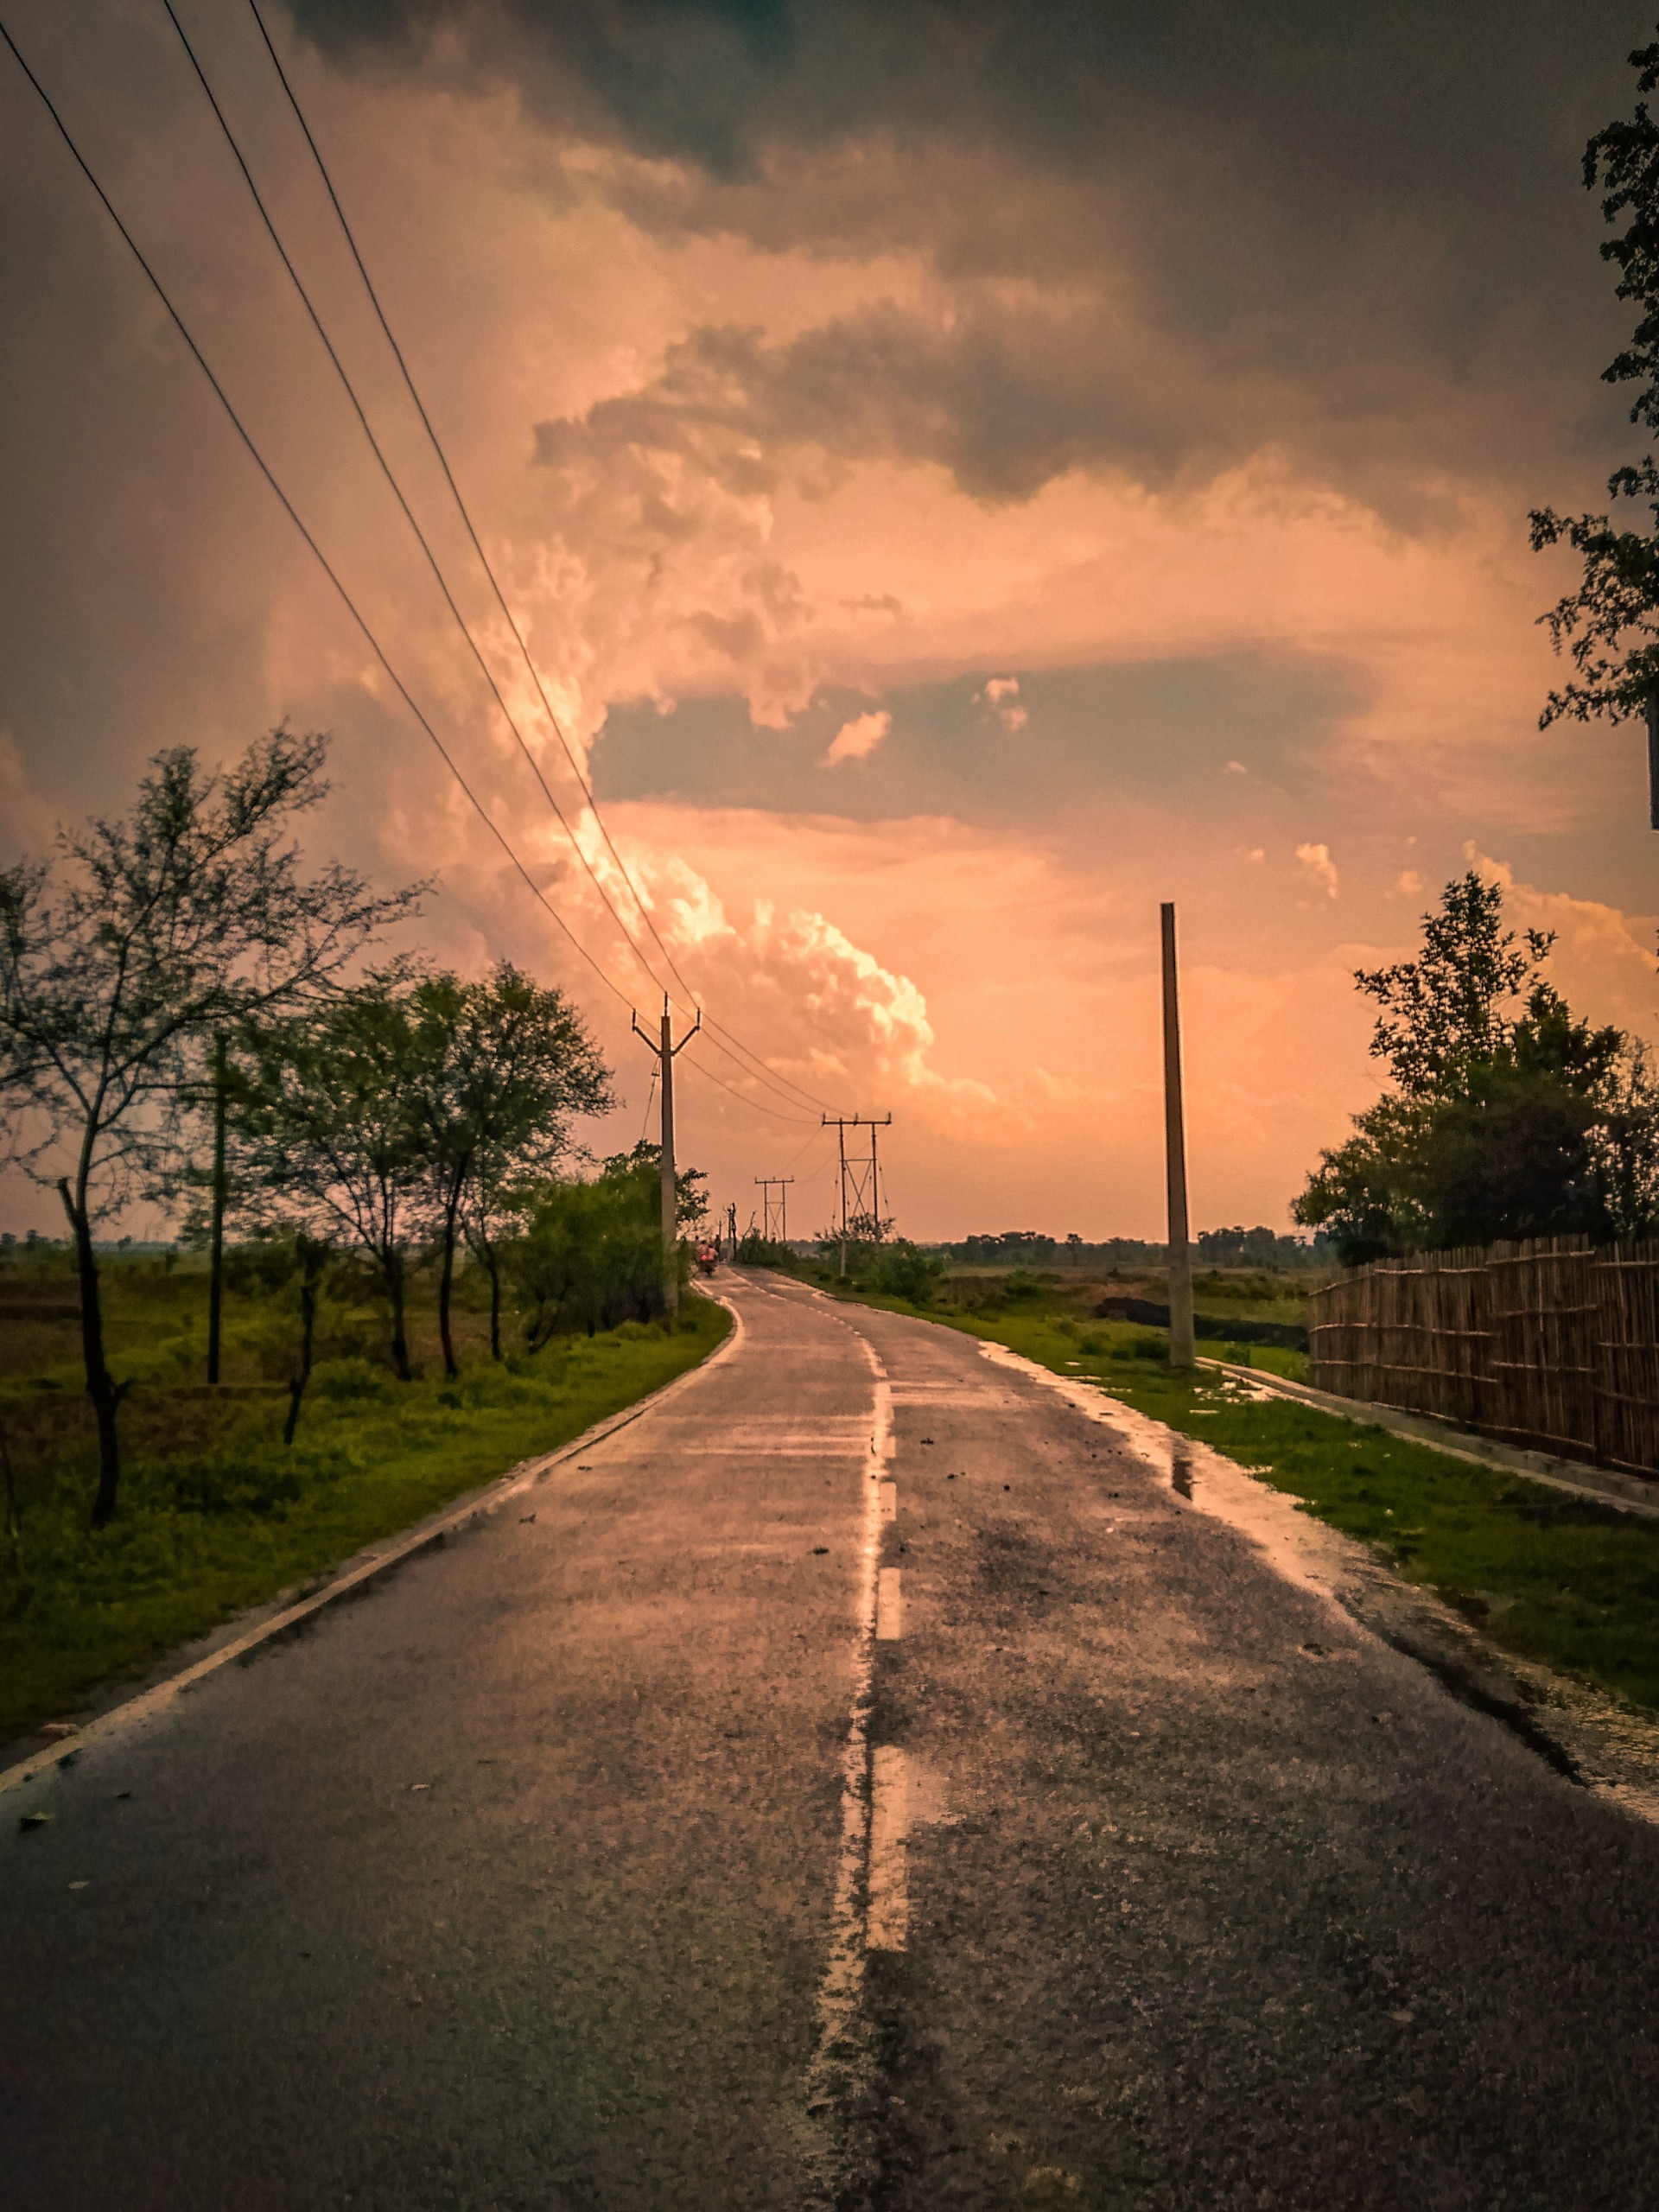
[(148, 1703)]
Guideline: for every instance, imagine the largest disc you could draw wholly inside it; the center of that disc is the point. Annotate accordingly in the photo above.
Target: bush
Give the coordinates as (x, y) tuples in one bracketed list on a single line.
[(905, 1270), (591, 1256), (757, 1251), (339, 1380)]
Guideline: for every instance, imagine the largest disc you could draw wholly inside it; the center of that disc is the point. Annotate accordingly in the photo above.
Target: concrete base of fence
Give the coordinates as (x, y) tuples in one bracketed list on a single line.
[(1603, 1484)]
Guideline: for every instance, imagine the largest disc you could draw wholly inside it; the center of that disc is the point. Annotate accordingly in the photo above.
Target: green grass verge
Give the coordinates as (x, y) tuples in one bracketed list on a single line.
[(217, 1517), (1552, 1577)]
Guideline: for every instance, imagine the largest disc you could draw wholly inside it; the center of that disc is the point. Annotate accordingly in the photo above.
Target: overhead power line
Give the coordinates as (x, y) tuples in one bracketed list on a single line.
[(387, 471), (755, 1105), (772, 1079), (760, 1069), (292, 512)]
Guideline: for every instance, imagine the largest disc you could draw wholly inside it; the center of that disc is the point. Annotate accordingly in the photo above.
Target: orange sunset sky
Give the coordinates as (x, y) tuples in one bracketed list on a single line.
[(967, 473)]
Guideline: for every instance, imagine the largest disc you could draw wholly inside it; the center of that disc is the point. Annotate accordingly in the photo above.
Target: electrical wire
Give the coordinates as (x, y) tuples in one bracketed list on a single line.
[(293, 514), (755, 1105), (760, 1074), (760, 1069), (397, 490)]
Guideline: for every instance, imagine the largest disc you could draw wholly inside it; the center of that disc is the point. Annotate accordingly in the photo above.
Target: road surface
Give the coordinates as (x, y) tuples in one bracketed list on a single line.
[(862, 1783)]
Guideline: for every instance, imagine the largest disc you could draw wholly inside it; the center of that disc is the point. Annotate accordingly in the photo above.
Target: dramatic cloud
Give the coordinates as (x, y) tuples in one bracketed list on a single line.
[(1100, 437)]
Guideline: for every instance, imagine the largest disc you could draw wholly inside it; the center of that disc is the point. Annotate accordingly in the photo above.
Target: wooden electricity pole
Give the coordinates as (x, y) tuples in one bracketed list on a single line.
[(665, 1050), (1181, 1348)]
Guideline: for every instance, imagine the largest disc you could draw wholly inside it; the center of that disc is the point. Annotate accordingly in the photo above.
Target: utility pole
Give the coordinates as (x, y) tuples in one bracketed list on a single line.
[(1182, 1353), (666, 1050), (777, 1211), (216, 1234), (860, 1177)]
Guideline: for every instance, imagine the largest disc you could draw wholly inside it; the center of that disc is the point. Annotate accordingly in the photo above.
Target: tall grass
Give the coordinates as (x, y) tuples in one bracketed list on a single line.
[(217, 1514)]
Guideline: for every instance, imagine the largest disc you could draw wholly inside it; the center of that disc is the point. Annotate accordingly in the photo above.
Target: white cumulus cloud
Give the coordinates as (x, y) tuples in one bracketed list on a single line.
[(1321, 868), (1001, 695), (856, 738)]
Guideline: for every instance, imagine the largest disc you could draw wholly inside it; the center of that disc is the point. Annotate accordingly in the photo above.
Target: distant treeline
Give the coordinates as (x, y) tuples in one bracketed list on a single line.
[(1215, 1248)]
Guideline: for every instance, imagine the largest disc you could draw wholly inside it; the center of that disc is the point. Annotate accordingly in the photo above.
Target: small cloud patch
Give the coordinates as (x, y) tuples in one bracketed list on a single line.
[(1321, 868), (858, 739), (1002, 696)]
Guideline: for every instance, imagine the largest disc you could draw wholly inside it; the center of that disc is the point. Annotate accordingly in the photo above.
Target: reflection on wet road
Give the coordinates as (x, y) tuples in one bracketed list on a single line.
[(874, 1778)]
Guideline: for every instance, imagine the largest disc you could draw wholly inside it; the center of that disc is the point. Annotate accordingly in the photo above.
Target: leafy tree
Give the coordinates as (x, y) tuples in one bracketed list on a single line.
[(1609, 625), (1450, 1008), (591, 1254), (278, 1256), (500, 1066), (1510, 1116), (119, 961), (691, 1184), (333, 1133)]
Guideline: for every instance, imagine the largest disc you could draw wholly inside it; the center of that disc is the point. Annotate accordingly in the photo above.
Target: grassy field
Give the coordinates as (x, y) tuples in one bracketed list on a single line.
[(1562, 1580), (216, 1515)]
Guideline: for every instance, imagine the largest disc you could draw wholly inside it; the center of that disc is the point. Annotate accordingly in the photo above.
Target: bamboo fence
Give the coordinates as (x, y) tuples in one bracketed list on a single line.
[(1552, 1344)]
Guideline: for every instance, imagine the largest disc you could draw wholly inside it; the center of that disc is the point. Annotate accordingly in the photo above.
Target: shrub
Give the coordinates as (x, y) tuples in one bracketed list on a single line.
[(355, 1377), (905, 1270), (591, 1254)]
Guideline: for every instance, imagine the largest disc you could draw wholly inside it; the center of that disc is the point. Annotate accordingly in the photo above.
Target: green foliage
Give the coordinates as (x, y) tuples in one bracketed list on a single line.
[(691, 1184), (219, 1514), (1448, 1010), (120, 964), (757, 1251), (1609, 625), (498, 1068), (907, 1270), (591, 1254), (1510, 1117)]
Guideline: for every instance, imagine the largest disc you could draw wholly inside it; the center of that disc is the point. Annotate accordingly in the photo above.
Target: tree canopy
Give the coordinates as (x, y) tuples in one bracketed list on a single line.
[(1510, 1116), (1608, 625), (120, 959)]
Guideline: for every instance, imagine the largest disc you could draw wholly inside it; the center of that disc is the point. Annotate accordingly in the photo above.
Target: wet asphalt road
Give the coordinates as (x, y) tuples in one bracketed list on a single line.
[(515, 1883)]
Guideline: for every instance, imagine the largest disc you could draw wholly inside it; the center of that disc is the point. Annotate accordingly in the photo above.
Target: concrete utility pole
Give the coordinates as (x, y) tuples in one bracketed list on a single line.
[(1182, 1352), (778, 1210), (665, 1050), (859, 1177)]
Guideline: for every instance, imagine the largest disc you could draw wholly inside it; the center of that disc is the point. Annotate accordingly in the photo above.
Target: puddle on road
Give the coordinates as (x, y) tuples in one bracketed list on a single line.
[(1302, 1549), (1614, 1753)]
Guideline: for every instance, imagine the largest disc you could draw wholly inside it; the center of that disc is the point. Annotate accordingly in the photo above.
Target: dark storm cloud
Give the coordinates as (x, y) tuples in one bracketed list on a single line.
[(1357, 232)]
